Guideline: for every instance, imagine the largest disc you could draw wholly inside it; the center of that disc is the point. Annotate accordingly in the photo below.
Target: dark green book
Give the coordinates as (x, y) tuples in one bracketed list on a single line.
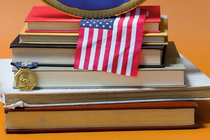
[(64, 54)]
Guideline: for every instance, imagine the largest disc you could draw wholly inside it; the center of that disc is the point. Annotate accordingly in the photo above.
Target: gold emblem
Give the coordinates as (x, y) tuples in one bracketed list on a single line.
[(25, 79)]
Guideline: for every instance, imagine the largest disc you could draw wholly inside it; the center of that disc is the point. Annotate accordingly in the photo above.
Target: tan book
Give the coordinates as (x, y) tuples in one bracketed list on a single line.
[(129, 116), (172, 75), (197, 88)]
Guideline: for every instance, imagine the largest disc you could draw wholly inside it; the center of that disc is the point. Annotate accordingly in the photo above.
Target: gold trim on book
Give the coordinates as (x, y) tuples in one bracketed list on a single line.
[(25, 79), (81, 13)]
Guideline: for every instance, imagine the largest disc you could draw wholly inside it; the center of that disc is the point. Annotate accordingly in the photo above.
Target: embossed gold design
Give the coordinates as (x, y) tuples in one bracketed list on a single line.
[(81, 13), (25, 79)]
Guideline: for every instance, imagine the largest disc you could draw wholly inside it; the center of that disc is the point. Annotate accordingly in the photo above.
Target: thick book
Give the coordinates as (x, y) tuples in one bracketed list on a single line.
[(64, 54), (107, 117), (172, 75), (46, 19), (197, 88), (72, 38)]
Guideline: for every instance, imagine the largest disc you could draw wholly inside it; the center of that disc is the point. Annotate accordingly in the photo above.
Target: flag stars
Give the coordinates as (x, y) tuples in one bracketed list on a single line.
[(98, 23)]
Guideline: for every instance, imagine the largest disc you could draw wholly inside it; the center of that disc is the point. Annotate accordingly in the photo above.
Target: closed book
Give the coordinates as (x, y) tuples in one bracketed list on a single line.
[(72, 38), (64, 54), (129, 116), (172, 75), (46, 19), (197, 88)]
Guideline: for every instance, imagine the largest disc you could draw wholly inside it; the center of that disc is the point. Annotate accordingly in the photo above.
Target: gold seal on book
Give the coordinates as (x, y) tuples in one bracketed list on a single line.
[(25, 79)]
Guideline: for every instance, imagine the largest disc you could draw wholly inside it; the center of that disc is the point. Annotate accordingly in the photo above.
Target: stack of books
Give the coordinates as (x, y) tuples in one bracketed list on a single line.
[(66, 99), (50, 38)]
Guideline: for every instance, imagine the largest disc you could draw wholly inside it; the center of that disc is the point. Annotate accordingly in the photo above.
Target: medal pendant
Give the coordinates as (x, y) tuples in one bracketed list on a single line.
[(25, 79)]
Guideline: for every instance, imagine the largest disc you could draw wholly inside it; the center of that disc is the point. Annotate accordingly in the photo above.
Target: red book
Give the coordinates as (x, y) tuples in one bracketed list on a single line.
[(46, 19)]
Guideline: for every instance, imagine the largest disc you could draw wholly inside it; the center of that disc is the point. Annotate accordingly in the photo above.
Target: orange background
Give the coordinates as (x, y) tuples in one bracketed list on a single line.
[(189, 28)]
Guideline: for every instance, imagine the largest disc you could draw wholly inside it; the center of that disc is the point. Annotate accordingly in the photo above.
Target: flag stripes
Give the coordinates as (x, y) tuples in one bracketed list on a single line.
[(114, 47)]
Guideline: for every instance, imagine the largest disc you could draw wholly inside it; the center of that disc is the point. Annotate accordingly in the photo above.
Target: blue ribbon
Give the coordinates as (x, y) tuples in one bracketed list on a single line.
[(30, 65)]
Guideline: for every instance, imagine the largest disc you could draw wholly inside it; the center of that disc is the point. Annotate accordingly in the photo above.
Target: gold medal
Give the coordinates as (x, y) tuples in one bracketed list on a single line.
[(25, 79)]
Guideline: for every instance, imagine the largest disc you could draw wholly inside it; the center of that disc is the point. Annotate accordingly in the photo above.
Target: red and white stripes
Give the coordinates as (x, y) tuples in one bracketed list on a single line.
[(115, 51)]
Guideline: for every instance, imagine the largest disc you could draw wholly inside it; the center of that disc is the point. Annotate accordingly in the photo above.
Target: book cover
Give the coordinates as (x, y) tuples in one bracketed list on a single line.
[(72, 38), (196, 83), (106, 117), (42, 19), (172, 75), (151, 56)]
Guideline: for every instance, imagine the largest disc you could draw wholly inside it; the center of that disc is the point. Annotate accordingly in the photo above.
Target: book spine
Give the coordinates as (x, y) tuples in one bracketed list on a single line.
[(123, 106), (96, 129)]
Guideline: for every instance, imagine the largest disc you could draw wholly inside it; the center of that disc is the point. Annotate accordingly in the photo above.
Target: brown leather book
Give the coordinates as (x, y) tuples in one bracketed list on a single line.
[(103, 117)]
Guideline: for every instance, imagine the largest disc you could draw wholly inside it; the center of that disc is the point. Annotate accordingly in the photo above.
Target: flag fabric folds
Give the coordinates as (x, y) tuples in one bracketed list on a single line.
[(112, 45)]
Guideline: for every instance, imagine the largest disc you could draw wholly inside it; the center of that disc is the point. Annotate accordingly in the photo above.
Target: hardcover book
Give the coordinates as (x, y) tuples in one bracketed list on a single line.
[(46, 19), (129, 116), (172, 75), (64, 54), (197, 88), (72, 38)]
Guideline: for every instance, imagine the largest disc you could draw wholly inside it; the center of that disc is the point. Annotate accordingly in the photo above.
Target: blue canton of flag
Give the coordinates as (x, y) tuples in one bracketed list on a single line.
[(98, 23)]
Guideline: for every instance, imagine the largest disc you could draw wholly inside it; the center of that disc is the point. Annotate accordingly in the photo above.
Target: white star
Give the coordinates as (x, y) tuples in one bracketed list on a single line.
[(90, 24), (94, 22), (83, 24), (107, 23), (100, 22), (110, 26), (96, 25), (103, 25)]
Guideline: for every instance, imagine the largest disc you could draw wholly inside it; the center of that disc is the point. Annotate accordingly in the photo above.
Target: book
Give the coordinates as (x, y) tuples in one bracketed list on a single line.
[(172, 75), (46, 19), (64, 54), (72, 38), (197, 88), (129, 116)]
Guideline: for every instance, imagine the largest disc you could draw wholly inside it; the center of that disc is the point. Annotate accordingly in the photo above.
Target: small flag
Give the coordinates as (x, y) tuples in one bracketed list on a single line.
[(112, 45)]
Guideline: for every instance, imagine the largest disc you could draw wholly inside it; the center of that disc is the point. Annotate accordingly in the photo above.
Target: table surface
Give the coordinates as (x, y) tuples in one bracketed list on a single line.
[(188, 28)]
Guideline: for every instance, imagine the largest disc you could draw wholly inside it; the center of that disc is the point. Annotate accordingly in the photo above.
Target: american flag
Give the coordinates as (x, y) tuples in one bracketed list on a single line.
[(112, 45)]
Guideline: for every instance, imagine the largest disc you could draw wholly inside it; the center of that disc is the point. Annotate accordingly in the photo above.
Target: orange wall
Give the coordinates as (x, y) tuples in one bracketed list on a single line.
[(188, 26)]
